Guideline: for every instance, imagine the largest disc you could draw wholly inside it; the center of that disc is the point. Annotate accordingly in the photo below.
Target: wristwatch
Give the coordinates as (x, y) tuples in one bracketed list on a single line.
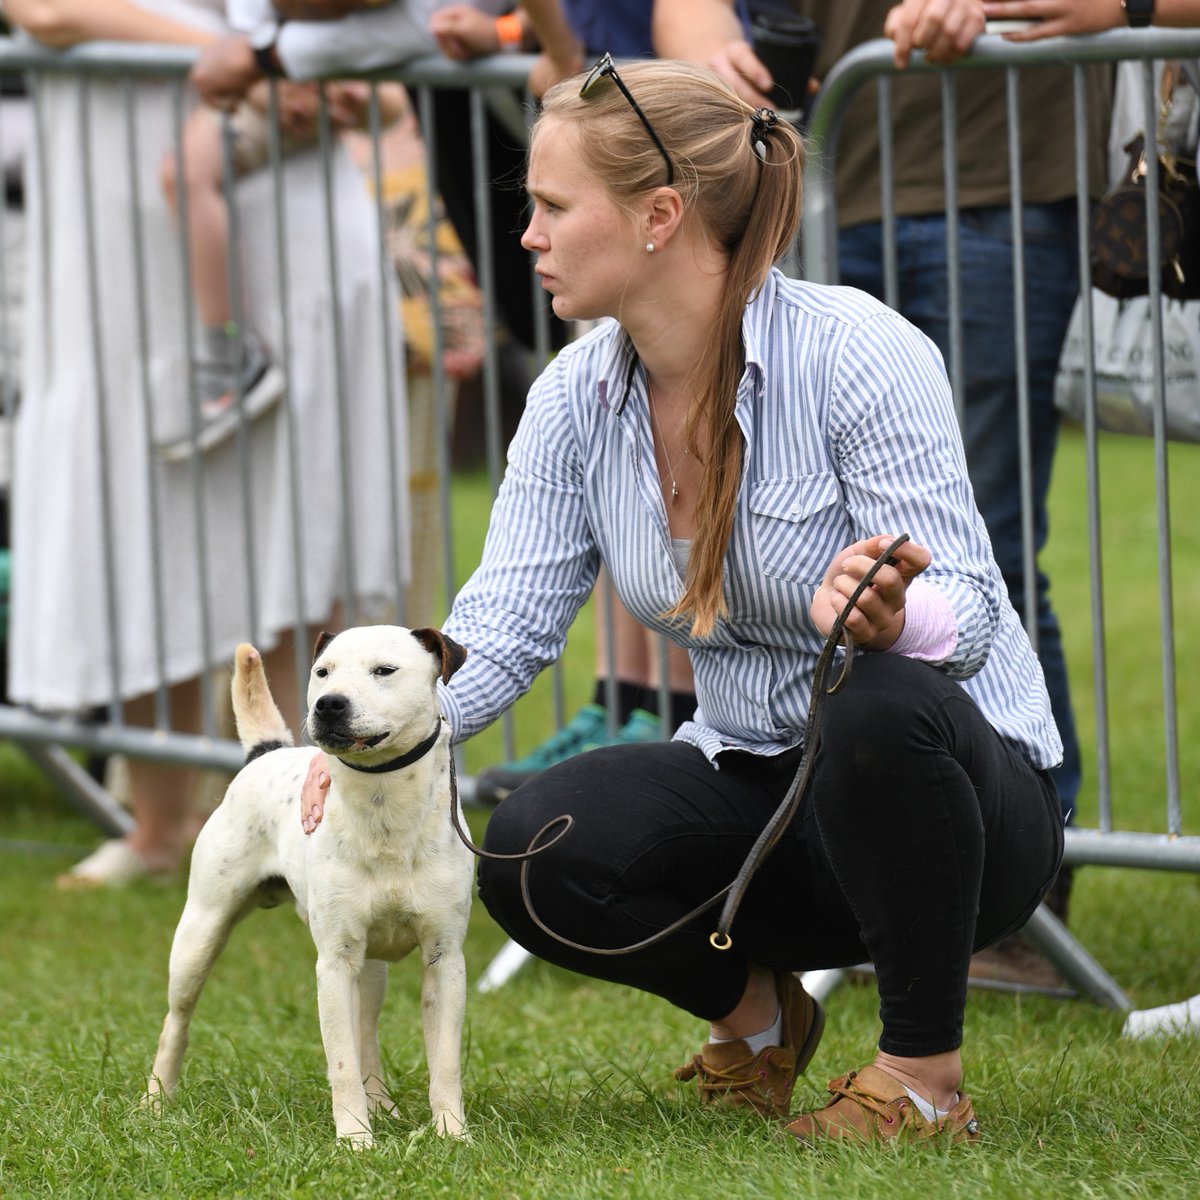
[(1139, 13), (262, 42)]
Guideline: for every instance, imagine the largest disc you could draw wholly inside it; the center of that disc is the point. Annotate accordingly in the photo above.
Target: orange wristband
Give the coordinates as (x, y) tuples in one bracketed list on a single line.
[(510, 32)]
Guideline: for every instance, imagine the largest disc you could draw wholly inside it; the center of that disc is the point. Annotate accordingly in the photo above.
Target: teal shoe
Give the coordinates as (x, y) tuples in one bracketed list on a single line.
[(641, 727), (589, 726)]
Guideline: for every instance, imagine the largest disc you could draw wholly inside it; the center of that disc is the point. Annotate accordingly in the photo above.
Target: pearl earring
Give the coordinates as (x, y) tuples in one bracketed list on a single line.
[(649, 247)]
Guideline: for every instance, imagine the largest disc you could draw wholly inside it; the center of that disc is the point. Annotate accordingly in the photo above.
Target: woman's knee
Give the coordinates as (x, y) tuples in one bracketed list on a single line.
[(512, 829), (879, 705)]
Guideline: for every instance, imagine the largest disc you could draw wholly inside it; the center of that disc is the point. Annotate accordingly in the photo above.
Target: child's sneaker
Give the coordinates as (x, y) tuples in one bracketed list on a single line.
[(586, 727), (224, 402), (587, 730), (642, 726)]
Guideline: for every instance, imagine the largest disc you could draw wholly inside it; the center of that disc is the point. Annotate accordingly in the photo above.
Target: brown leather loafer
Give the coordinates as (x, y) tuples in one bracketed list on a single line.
[(729, 1074), (870, 1106)]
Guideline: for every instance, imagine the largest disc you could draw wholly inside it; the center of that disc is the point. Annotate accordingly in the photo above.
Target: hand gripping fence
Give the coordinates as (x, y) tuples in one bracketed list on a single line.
[(733, 892)]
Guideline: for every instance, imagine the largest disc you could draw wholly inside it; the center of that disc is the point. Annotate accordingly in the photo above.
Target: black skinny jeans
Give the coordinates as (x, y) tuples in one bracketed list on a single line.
[(923, 837)]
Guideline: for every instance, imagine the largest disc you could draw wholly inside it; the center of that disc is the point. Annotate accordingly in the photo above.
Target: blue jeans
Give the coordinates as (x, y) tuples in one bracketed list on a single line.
[(989, 404)]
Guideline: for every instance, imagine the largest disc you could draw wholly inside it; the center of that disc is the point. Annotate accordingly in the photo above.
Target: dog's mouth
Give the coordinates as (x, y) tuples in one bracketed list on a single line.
[(340, 743)]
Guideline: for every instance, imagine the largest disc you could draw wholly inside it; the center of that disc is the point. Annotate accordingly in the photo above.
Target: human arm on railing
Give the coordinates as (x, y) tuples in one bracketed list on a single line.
[(562, 53), (62, 23), (709, 32), (364, 40), (463, 33), (943, 29), (1055, 18)]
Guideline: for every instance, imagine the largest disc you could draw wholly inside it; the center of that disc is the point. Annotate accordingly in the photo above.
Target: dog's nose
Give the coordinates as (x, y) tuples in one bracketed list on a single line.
[(331, 706)]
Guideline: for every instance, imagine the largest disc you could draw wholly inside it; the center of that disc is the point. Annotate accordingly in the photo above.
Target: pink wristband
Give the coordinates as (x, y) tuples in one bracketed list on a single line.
[(930, 626)]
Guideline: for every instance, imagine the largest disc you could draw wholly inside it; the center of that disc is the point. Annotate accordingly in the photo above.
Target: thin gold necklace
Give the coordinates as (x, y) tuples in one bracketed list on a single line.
[(670, 468)]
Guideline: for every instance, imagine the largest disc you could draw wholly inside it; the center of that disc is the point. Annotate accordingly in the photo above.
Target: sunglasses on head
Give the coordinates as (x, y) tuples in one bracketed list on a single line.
[(606, 68)]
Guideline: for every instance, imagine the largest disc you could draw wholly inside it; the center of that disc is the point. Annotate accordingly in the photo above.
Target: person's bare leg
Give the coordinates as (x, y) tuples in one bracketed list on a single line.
[(756, 1011), (626, 658), (934, 1077), (637, 654), (161, 793), (207, 216)]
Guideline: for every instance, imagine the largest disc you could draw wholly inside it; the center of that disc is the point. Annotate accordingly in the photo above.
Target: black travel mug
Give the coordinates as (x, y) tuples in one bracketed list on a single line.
[(787, 44)]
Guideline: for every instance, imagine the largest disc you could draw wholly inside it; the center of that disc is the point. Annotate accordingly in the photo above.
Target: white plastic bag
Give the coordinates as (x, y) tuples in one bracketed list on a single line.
[(1124, 363)]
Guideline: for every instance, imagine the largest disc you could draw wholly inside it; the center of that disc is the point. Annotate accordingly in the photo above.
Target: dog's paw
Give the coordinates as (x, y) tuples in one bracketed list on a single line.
[(451, 1124), (154, 1099), (358, 1139)]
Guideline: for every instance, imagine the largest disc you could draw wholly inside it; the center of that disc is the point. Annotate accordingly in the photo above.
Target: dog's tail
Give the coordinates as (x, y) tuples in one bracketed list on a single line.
[(260, 724)]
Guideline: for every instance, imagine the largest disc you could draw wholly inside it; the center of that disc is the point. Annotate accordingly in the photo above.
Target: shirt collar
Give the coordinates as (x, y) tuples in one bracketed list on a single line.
[(617, 376), (756, 326), (620, 368)]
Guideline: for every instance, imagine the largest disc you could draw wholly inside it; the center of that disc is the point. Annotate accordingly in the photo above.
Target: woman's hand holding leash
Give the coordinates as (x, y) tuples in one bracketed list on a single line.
[(877, 618)]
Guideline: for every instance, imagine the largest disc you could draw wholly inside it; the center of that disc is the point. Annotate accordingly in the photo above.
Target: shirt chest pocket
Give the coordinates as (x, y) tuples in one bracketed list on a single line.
[(798, 525)]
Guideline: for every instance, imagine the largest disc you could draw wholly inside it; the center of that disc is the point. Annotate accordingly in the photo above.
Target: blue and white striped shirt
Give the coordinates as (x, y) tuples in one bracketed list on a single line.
[(850, 432)]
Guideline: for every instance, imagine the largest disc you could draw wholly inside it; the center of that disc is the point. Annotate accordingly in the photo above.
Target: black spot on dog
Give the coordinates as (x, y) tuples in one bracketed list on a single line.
[(263, 748)]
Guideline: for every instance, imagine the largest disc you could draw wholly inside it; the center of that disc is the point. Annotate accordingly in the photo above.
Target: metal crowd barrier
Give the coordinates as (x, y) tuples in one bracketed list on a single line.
[(47, 738), (99, 68), (1176, 846)]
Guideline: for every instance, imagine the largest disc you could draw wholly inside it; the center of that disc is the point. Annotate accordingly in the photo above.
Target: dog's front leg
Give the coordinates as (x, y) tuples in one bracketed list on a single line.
[(337, 1002), (372, 987), (443, 1007)]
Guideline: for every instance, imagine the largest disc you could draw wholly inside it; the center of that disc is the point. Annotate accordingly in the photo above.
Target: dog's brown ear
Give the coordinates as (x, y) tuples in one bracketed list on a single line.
[(447, 649), (323, 640)]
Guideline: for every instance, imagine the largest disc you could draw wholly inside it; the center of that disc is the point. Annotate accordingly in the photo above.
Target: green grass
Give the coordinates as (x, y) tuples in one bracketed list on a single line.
[(568, 1085)]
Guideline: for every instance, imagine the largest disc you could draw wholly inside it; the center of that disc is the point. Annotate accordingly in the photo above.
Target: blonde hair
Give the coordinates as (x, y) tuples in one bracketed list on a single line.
[(750, 207)]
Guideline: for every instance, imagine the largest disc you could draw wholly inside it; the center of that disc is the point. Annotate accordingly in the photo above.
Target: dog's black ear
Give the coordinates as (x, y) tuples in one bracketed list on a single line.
[(323, 640), (447, 649)]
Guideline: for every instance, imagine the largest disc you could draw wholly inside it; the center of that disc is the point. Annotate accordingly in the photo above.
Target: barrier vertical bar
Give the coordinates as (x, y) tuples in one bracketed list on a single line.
[(887, 190), (233, 260), (349, 557), (428, 123), (300, 648), (1162, 502), (199, 518), (387, 298), (1091, 443), (162, 704), (104, 449), (1021, 337), (953, 253)]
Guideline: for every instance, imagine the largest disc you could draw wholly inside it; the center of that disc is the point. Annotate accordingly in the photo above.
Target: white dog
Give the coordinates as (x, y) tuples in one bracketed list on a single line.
[(383, 874)]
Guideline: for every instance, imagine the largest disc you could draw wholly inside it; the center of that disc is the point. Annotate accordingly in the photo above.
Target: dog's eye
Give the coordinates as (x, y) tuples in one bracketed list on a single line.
[(383, 671), (321, 672)]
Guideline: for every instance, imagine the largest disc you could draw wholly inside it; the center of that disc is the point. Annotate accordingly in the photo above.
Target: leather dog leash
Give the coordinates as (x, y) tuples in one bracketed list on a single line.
[(734, 892)]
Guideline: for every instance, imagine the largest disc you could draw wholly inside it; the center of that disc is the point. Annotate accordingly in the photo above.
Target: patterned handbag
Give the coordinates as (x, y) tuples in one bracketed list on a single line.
[(1120, 259)]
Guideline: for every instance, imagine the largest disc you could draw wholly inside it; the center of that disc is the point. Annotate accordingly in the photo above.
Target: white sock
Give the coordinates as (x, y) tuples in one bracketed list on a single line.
[(926, 1109), (761, 1040)]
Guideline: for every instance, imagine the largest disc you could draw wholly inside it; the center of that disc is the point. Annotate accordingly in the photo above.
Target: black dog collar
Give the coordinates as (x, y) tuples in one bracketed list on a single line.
[(405, 760)]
